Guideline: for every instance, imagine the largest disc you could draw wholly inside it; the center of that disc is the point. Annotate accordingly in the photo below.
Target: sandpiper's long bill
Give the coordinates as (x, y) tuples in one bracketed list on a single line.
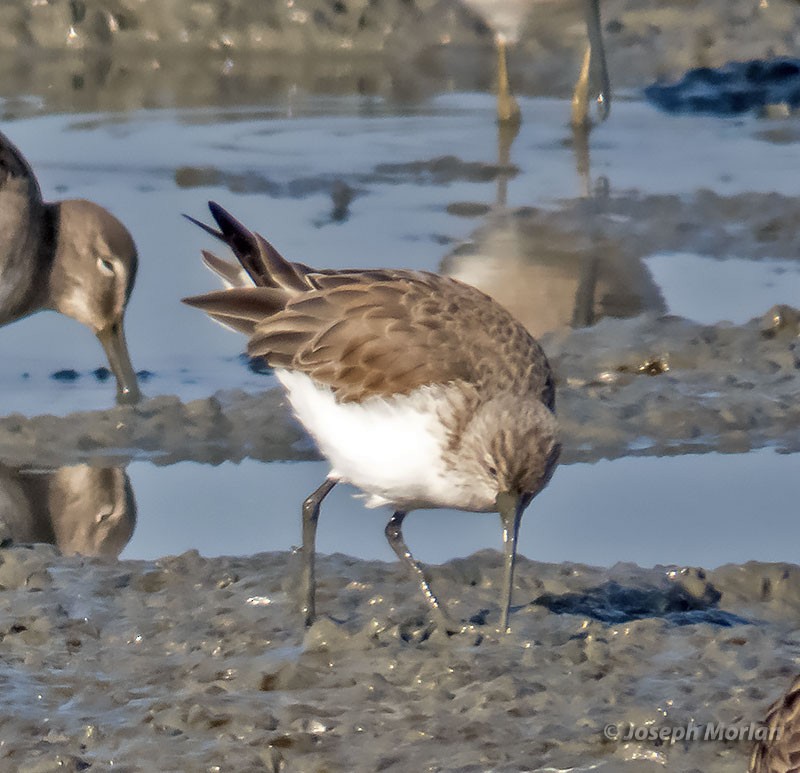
[(71, 256), (420, 390)]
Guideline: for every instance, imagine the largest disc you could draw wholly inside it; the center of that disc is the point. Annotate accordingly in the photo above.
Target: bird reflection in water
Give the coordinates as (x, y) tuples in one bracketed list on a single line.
[(83, 510), (551, 273)]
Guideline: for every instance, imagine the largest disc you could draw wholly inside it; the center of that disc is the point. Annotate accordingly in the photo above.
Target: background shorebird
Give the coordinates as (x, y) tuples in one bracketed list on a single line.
[(781, 753), (506, 17), (420, 390), (71, 256)]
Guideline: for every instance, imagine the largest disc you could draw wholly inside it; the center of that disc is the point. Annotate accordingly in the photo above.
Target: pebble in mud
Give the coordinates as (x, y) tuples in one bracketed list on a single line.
[(781, 320), (186, 672), (26, 567)]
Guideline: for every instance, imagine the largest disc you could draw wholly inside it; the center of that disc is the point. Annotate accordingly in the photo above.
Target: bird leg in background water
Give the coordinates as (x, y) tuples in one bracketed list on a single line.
[(507, 107), (593, 69), (592, 80), (507, 132)]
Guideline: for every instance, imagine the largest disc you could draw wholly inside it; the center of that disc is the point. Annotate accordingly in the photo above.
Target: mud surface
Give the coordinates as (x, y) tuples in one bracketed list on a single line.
[(653, 385), (201, 665)]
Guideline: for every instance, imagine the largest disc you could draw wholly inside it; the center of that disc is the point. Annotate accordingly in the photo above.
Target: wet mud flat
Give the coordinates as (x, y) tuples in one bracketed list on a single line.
[(651, 385), (188, 663), (201, 664), (197, 664)]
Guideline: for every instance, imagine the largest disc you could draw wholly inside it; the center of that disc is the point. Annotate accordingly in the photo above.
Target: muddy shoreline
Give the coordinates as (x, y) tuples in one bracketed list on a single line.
[(128, 54), (196, 663), (647, 386)]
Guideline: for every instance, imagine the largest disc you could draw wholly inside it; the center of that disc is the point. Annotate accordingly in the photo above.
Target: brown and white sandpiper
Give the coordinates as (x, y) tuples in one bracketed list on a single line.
[(779, 751), (420, 390), (72, 256)]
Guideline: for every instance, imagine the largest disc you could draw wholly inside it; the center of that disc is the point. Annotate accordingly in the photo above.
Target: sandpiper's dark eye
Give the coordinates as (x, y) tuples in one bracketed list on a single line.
[(104, 514), (106, 266), (492, 471)]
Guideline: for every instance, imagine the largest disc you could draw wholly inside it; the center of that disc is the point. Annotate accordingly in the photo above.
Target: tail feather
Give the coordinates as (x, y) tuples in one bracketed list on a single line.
[(265, 265), (281, 271), (232, 274), (246, 303), (240, 308), (236, 235), (207, 228), (244, 326)]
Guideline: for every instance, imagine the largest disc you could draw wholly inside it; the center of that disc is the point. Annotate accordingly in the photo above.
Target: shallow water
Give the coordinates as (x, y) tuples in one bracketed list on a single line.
[(704, 510), (277, 168), (686, 510), (743, 288)]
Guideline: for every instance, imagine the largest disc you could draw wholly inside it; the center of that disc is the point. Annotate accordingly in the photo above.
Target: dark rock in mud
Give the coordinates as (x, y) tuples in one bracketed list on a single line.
[(67, 375), (735, 88)]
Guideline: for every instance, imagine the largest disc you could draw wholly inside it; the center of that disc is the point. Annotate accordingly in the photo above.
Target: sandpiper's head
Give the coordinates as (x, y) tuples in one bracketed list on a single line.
[(512, 446), (91, 279)]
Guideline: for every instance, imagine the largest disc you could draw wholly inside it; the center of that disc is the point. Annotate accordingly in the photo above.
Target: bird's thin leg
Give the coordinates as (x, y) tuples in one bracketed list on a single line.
[(580, 148), (599, 65), (580, 97), (511, 521), (310, 518), (394, 533), (507, 107)]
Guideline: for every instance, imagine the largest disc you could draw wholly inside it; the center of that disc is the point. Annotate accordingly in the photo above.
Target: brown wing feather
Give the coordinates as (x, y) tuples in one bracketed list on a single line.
[(396, 334), (373, 332)]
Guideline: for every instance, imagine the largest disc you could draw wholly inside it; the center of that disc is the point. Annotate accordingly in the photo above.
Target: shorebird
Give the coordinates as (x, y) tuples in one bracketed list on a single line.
[(70, 256), (420, 390), (780, 751), (83, 510), (506, 17)]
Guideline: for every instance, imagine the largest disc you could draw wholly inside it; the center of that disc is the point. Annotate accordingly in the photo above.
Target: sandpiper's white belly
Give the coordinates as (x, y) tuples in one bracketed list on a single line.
[(389, 448), (505, 17)]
